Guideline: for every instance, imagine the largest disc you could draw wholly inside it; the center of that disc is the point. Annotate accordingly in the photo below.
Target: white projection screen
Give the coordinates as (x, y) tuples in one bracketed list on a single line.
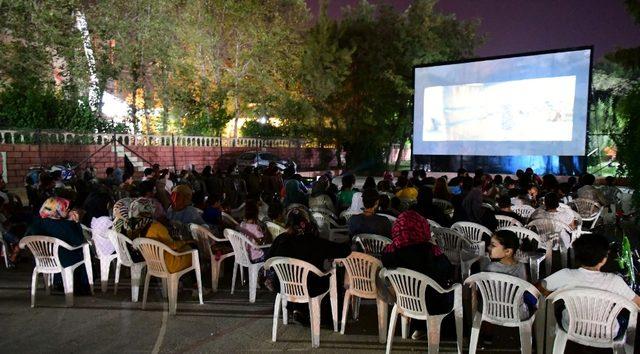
[(532, 104)]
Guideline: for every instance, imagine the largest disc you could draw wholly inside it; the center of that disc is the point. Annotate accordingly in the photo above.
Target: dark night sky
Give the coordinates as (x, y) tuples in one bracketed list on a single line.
[(515, 26)]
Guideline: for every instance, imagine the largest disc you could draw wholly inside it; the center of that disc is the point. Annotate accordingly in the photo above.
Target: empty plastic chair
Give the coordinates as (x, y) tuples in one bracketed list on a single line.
[(502, 305), (292, 274), (202, 233), (471, 230), (45, 251), (153, 252), (372, 244), (506, 221), (460, 252), (123, 258), (550, 232), (592, 320), (411, 302), (362, 270), (240, 244)]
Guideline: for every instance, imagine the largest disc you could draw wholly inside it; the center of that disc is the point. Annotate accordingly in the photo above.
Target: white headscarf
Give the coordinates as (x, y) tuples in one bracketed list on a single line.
[(357, 206)]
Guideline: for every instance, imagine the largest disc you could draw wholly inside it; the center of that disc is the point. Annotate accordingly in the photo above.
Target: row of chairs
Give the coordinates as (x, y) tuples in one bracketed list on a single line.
[(591, 312)]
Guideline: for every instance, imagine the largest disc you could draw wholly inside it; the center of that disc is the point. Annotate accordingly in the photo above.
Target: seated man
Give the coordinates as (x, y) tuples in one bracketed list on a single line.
[(552, 210), (504, 205), (588, 191), (368, 222), (591, 251)]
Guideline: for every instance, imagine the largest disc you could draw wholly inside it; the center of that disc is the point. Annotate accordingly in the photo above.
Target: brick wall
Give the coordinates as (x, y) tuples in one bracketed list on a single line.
[(20, 157)]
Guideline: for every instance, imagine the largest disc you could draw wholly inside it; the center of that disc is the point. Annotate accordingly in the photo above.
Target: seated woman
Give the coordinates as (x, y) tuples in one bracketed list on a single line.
[(425, 207), (142, 224), (302, 241), (56, 221), (256, 230), (411, 248), (475, 212)]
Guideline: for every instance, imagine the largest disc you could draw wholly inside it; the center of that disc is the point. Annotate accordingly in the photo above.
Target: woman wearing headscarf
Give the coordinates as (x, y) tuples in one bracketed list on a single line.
[(55, 222), (411, 248), (141, 224), (475, 212), (295, 191), (320, 196), (302, 241)]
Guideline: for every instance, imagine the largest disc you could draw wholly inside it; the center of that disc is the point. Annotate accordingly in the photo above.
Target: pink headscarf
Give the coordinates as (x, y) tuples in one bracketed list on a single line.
[(55, 208)]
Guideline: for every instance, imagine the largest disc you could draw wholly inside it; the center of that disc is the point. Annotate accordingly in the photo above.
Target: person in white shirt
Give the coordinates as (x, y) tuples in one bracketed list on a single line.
[(552, 210), (588, 191), (591, 251)]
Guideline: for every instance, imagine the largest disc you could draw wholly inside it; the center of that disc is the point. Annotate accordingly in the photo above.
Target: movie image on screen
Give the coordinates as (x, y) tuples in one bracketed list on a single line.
[(524, 105)]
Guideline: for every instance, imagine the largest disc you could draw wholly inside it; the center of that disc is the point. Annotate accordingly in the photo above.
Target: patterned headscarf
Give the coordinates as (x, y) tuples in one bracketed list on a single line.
[(140, 216), (55, 208), (298, 223), (121, 214), (411, 229)]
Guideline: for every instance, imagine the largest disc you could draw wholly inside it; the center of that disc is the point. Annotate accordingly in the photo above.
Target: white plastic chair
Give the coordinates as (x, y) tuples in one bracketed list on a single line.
[(589, 210), (532, 258), (322, 201), (292, 274), (229, 219), (592, 320), (346, 215), (5, 252), (238, 213), (153, 252), (460, 252), (324, 211), (506, 221), (274, 229), (45, 251), (411, 302), (105, 260), (202, 233), (123, 258), (524, 211), (471, 230), (329, 229), (550, 231), (240, 243), (433, 224), (362, 270), (390, 217), (372, 244), (502, 300), (445, 205)]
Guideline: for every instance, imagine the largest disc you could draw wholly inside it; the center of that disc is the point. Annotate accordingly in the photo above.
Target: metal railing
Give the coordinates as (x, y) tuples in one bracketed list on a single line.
[(53, 137)]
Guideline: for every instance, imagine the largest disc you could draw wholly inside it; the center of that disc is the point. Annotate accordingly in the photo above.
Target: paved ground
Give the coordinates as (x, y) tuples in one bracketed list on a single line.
[(108, 323)]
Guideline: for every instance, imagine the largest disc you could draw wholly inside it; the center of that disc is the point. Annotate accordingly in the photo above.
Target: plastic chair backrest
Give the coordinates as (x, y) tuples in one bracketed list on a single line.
[(346, 215), (274, 229), (239, 242), (593, 313), (45, 252), (524, 211), (506, 221), (119, 242), (229, 219), (87, 233), (324, 211), (390, 217), (292, 274), (547, 227), (587, 208), (372, 244), (153, 254), (433, 224), (443, 204), (451, 242), (502, 295), (471, 230), (524, 233), (363, 270), (410, 288), (321, 201)]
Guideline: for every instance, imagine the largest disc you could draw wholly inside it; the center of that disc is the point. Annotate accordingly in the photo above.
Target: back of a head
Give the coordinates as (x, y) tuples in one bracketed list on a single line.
[(462, 172), (588, 179), (425, 196), (384, 202), (146, 187), (109, 171), (347, 181), (148, 171), (497, 179), (422, 174), (251, 210), (504, 202), (369, 198), (508, 239), (551, 201), (369, 183), (591, 249), (402, 181)]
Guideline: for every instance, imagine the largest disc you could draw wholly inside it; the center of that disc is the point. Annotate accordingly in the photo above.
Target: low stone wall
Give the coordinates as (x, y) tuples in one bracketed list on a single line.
[(21, 157)]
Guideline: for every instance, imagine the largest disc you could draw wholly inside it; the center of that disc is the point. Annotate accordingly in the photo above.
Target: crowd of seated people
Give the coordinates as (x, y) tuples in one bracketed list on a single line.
[(162, 205)]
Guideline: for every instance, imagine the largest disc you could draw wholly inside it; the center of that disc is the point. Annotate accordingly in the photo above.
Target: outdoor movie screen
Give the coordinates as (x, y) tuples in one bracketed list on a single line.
[(513, 106)]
